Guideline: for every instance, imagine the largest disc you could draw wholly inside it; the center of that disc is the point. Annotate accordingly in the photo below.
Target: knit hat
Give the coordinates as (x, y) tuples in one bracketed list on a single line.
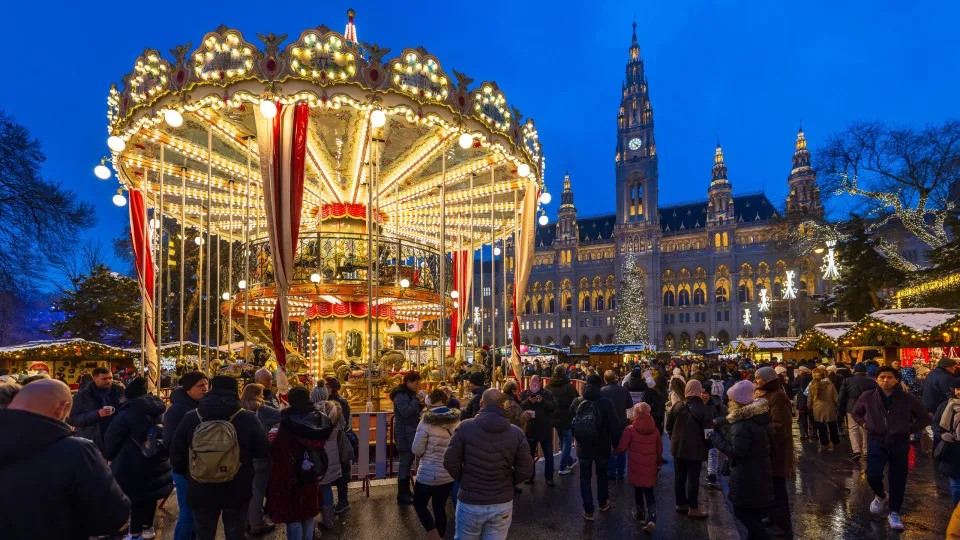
[(189, 379), (832, 368), (780, 370), (677, 372), (136, 388), (299, 398), (742, 392), (767, 374), (224, 382), (804, 369), (594, 380), (693, 389), (477, 378), (955, 383), (859, 368), (946, 362)]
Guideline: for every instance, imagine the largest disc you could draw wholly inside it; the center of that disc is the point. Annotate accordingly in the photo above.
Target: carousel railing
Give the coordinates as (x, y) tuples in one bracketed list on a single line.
[(341, 257)]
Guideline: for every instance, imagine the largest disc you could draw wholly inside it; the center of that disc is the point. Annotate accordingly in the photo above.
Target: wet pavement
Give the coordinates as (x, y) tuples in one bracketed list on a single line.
[(829, 499)]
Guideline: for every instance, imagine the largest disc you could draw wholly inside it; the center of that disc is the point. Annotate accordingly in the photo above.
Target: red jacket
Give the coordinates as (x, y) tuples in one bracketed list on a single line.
[(645, 446), (289, 502)]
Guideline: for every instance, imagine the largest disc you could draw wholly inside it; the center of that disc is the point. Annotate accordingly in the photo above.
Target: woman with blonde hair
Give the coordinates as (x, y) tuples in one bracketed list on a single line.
[(823, 397)]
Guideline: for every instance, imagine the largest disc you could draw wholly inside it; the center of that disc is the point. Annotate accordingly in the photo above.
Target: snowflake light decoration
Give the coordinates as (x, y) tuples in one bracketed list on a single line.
[(764, 304), (831, 268), (789, 291), (766, 323), (746, 317)]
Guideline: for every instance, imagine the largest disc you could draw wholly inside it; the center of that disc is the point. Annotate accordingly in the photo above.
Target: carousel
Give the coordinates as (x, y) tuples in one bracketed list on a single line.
[(348, 189)]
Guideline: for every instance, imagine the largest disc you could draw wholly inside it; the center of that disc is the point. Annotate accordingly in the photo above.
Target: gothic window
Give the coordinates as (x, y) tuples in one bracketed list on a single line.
[(722, 338), (539, 306), (585, 306), (743, 291), (669, 343), (684, 341), (725, 240), (699, 295), (668, 298), (700, 341), (612, 304), (716, 240), (526, 306), (599, 302), (721, 292), (777, 290), (550, 304), (683, 298)]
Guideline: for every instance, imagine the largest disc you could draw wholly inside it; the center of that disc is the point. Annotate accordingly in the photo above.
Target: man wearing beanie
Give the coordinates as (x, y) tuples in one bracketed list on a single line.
[(746, 437), (770, 388), (938, 385), (478, 388), (227, 500), (183, 399), (686, 424), (850, 391)]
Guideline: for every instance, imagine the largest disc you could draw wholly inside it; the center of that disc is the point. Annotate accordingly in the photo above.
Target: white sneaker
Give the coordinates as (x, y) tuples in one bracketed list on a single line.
[(149, 533), (565, 470), (877, 506), (574, 464), (895, 522)]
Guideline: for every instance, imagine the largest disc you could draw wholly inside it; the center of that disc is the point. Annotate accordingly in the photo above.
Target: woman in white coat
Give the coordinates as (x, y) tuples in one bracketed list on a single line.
[(433, 481)]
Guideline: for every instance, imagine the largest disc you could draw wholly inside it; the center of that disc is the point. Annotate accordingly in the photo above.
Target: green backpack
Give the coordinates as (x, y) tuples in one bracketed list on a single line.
[(215, 451)]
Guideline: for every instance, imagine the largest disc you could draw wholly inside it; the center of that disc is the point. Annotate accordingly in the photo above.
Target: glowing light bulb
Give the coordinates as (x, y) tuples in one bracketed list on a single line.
[(198, 240), (496, 251), (404, 283), (378, 118), (242, 284), (119, 199), (523, 169), (173, 118), (315, 277), (101, 171), (268, 108), (225, 296), (545, 198), (454, 294), (116, 143), (543, 219), (466, 140)]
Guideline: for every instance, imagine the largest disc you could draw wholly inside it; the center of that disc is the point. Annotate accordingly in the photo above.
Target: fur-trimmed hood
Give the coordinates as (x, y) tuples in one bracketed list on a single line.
[(441, 416), (757, 408)]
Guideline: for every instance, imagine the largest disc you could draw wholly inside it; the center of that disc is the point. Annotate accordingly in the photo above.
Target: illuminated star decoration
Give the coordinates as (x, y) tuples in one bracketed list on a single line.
[(831, 269), (746, 317), (789, 291), (766, 323), (764, 304)]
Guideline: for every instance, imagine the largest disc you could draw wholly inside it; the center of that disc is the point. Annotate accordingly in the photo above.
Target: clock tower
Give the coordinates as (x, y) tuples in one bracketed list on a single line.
[(636, 155)]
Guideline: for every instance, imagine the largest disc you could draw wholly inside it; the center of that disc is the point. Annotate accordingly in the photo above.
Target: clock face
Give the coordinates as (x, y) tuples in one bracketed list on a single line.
[(634, 143)]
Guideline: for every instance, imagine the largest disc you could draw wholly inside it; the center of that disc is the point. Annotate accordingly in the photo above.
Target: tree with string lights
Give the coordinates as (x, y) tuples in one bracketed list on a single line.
[(632, 309)]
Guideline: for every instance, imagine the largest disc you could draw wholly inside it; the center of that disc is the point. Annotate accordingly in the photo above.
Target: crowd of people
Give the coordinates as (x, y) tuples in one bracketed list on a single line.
[(251, 461)]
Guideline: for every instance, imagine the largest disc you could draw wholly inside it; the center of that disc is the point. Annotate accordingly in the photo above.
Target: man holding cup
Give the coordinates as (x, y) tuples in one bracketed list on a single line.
[(94, 406)]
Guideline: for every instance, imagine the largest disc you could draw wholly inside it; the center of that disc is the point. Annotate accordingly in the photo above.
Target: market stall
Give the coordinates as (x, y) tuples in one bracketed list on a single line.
[(824, 340), (912, 335), (765, 349), (604, 357), (64, 359)]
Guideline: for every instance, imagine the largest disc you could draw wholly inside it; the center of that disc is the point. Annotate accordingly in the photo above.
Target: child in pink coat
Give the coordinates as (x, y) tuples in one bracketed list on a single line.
[(644, 445)]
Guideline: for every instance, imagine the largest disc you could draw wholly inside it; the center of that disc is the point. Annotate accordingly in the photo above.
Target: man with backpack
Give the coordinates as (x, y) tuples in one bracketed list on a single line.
[(622, 402), (214, 447), (597, 430)]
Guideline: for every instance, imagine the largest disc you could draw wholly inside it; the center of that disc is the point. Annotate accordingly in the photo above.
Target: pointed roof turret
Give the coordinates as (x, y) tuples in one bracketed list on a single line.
[(801, 156), (719, 167), (350, 34), (566, 197)]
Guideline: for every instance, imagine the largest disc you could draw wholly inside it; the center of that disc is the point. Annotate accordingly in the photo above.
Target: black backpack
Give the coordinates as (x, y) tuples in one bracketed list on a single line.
[(586, 424), (309, 466)]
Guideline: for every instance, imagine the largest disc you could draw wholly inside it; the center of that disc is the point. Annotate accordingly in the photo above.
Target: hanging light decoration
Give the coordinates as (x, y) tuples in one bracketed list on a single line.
[(268, 108), (523, 170), (545, 197), (454, 294), (496, 251), (119, 199), (543, 219), (404, 283), (831, 268), (746, 317), (101, 171), (116, 143), (242, 284), (225, 296), (789, 291), (378, 118), (466, 140), (315, 277), (173, 118), (764, 305), (198, 240)]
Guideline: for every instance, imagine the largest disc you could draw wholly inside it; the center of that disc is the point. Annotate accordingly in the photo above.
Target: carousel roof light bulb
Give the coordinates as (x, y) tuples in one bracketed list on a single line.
[(378, 118), (543, 220), (404, 283), (523, 169), (116, 144), (466, 140), (545, 198), (454, 294), (315, 277), (119, 199), (173, 118), (268, 108), (496, 251), (101, 171), (225, 296), (198, 240)]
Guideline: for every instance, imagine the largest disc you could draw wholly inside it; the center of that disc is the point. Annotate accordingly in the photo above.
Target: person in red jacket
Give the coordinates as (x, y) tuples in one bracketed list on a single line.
[(643, 443)]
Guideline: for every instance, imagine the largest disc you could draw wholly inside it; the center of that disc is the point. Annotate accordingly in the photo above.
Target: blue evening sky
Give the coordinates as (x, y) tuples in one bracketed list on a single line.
[(746, 70)]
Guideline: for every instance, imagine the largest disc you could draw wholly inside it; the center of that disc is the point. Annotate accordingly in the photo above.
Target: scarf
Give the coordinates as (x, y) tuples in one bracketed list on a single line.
[(950, 418)]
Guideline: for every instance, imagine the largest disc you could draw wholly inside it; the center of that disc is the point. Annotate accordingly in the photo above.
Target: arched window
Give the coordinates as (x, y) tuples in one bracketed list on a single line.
[(683, 298), (684, 341), (743, 292), (725, 240), (584, 341), (777, 291), (722, 338), (597, 340), (612, 304), (585, 306), (539, 305), (567, 303), (599, 302), (669, 342), (550, 305), (526, 306), (716, 240), (721, 293), (566, 341), (700, 341), (699, 296), (668, 298)]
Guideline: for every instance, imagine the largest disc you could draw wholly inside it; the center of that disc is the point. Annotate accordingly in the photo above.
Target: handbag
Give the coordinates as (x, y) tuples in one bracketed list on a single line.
[(354, 444)]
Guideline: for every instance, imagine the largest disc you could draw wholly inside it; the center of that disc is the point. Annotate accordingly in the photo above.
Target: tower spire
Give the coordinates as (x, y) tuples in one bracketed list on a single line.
[(719, 167), (350, 34)]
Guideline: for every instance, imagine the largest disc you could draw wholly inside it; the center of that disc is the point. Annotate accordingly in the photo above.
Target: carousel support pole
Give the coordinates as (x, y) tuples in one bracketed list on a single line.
[(472, 255), (493, 287), (144, 334), (158, 297), (443, 265), (246, 258), (505, 304), (183, 256), (370, 277), (216, 299), (230, 275), (209, 239)]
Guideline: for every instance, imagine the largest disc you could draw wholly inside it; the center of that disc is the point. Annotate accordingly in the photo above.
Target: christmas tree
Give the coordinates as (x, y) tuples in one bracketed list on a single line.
[(632, 311)]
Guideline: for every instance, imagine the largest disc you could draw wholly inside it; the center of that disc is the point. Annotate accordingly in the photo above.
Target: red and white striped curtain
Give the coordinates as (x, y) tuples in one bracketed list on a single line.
[(282, 144), (524, 252), (463, 284), (143, 261)]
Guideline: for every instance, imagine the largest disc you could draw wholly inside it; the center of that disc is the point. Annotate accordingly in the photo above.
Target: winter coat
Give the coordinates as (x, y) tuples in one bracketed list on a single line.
[(85, 413), (406, 416), (141, 478), (949, 463), (910, 382), (271, 399), (746, 437), (433, 435), (658, 405), (564, 393), (851, 389), (717, 407), (268, 417), (336, 449), (685, 425), (344, 409), (180, 404), (515, 412), (905, 416), (823, 400), (474, 406), (538, 427), (221, 405), (488, 456), (55, 485), (644, 446), (621, 399), (937, 387), (781, 420), (610, 429), (292, 500), (797, 388)]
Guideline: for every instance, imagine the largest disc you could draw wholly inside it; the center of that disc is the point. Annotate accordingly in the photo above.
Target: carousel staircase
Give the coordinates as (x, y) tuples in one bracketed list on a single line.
[(259, 333)]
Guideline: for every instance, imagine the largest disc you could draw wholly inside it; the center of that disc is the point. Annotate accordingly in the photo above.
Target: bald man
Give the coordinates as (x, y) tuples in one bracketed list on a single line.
[(54, 485), (489, 456)]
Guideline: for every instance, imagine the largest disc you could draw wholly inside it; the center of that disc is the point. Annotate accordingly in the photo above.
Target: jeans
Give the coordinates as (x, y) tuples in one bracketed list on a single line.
[(586, 487), (565, 436), (422, 495), (823, 427), (261, 477), (300, 530), (345, 473), (326, 494), (141, 515), (858, 435), (893, 456), (780, 513), (751, 519), (713, 462), (639, 493), (184, 529), (546, 444), (955, 490), (686, 481), (804, 419), (617, 466), (483, 521), (234, 521)]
